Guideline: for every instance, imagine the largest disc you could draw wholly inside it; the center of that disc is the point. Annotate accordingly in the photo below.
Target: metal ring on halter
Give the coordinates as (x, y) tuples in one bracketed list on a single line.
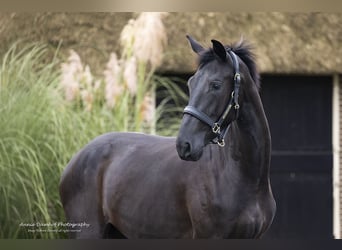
[(221, 143), (216, 128)]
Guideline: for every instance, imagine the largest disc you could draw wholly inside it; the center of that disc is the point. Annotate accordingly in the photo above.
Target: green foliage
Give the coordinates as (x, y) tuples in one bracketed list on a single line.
[(39, 133)]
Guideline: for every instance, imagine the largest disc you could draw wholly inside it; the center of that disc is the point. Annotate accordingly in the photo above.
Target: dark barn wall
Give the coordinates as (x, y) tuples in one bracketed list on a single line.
[(299, 112)]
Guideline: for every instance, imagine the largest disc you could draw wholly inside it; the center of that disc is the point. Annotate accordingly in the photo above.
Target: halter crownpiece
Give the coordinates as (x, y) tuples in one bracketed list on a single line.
[(216, 127)]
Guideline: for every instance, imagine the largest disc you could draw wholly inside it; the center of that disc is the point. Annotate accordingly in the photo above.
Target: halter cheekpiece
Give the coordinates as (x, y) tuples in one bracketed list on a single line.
[(216, 127)]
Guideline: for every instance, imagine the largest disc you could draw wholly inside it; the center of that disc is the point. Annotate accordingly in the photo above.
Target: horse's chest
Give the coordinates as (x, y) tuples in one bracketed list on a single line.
[(249, 224), (234, 220)]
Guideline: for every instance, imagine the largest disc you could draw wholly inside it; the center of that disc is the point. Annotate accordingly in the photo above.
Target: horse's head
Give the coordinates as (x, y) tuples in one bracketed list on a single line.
[(214, 100)]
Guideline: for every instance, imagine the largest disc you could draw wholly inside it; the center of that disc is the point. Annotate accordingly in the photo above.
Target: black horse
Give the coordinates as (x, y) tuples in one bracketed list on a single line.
[(212, 181)]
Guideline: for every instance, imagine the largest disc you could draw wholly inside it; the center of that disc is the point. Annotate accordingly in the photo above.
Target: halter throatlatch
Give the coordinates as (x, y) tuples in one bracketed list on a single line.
[(216, 127)]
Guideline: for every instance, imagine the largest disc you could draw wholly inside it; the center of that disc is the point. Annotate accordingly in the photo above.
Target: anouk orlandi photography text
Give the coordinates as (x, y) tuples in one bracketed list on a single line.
[(65, 227)]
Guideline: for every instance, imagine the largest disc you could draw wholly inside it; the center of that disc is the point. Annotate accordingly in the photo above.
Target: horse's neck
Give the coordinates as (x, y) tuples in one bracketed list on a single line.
[(251, 141)]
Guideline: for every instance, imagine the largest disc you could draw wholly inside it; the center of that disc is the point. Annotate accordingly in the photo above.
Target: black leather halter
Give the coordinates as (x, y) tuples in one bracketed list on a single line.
[(216, 127)]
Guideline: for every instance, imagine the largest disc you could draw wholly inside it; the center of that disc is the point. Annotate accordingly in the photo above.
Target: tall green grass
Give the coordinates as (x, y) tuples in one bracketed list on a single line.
[(27, 142), (39, 133)]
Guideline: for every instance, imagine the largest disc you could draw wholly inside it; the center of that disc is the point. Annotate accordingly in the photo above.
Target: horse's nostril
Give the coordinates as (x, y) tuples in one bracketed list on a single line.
[(186, 150)]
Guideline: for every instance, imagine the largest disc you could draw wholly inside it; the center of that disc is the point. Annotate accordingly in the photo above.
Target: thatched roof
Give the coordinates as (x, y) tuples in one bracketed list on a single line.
[(284, 42)]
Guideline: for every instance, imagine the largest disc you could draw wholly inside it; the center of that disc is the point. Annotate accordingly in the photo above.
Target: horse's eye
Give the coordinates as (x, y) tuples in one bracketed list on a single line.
[(215, 85)]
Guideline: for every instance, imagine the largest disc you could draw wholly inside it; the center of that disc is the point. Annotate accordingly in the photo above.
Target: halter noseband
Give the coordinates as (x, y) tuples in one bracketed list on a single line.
[(216, 127)]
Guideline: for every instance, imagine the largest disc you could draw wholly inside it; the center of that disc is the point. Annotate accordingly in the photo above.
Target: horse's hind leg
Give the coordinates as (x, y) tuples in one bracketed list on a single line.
[(83, 218), (111, 232), (82, 207), (80, 191)]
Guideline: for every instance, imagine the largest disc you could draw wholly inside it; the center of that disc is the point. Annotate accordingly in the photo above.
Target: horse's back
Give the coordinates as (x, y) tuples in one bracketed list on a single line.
[(87, 164)]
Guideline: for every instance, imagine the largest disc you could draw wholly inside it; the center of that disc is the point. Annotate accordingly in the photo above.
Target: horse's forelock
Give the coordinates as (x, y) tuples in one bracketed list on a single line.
[(242, 50)]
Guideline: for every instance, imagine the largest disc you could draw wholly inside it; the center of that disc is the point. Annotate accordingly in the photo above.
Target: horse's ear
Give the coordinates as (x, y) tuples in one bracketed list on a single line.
[(196, 47), (219, 50)]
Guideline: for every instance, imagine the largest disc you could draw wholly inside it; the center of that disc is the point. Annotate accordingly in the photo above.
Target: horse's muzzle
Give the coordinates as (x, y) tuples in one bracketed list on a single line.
[(186, 151)]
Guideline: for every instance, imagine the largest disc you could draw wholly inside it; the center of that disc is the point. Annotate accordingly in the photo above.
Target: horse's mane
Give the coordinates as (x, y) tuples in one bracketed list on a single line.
[(242, 50)]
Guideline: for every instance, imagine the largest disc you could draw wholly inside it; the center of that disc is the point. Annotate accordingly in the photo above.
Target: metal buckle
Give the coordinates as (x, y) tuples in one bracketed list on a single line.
[(221, 143), (237, 106), (216, 128), (237, 76)]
